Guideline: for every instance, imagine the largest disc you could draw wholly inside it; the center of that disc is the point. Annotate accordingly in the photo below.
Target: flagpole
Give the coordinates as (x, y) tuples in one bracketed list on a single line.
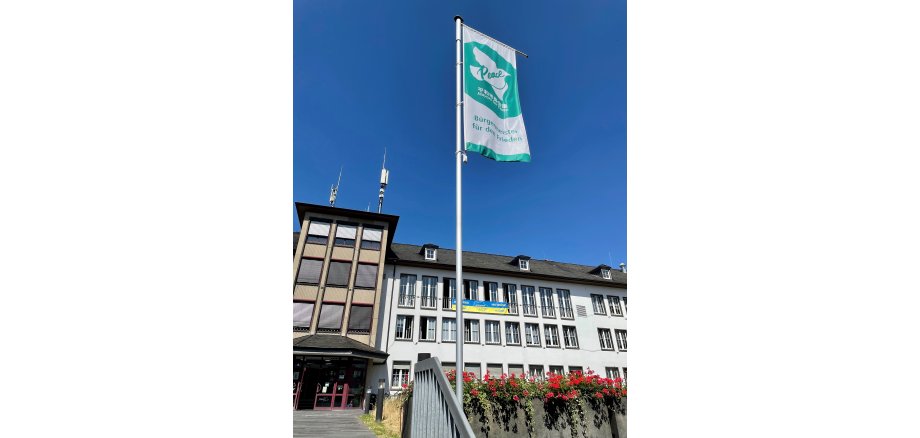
[(459, 283)]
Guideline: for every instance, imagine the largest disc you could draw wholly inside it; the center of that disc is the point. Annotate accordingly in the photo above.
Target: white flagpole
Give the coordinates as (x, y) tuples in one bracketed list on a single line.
[(459, 283)]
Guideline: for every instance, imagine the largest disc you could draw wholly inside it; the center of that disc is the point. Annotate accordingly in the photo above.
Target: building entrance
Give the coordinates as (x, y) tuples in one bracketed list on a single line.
[(329, 382)]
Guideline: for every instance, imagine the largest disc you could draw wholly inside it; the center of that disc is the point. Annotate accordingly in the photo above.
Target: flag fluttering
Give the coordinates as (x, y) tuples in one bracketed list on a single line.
[(493, 125)]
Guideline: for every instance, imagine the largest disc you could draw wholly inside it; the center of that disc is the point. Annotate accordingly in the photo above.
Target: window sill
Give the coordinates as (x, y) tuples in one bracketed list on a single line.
[(428, 340), (572, 348), (472, 342), (403, 340), (406, 306), (493, 343), (552, 346)]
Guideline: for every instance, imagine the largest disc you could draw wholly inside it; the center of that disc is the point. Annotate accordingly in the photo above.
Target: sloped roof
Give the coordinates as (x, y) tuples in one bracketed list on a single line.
[(332, 343), (405, 254)]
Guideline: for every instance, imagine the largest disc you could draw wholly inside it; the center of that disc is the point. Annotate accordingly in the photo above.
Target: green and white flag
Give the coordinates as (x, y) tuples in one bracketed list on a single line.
[(493, 125)]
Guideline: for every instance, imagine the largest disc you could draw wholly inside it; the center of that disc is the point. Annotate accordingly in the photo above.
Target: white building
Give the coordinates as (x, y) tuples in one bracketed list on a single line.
[(561, 316)]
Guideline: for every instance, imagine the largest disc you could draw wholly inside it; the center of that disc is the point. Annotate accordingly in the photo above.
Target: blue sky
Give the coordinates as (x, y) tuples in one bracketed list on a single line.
[(369, 75)]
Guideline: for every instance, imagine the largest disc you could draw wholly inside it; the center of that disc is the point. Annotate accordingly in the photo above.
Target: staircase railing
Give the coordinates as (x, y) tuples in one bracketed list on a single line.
[(436, 412)]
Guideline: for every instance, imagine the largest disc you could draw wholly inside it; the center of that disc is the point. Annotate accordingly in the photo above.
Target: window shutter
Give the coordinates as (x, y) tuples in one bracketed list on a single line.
[(338, 273), (367, 276), (360, 318), (303, 314), (346, 231), (309, 271), (330, 316), (495, 370), (319, 228), (372, 234), (517, 370)]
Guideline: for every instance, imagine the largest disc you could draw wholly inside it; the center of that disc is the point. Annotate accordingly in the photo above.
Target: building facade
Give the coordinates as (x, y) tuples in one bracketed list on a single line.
[(339, 258), (561, 317), (365, 308)]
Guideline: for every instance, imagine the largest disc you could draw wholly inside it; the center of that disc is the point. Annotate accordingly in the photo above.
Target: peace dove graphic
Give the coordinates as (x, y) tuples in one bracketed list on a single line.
[(490, 73)]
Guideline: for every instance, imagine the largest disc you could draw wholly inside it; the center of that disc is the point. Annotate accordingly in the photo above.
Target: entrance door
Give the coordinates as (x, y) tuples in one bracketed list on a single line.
[(330, 395)]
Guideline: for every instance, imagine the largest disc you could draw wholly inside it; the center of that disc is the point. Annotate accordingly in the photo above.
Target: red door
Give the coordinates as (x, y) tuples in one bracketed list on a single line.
[(331, 395)]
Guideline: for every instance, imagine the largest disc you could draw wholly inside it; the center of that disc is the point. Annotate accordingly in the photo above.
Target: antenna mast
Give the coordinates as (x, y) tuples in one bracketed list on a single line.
[(384, 179), (334, 190)]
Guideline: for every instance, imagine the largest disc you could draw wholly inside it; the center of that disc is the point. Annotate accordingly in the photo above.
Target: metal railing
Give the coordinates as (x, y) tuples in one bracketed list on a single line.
[(436, 412)]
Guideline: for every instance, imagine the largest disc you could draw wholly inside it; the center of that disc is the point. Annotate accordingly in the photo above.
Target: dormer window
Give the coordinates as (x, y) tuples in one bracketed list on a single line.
[(430, 252), (605, 273), (524, 264)]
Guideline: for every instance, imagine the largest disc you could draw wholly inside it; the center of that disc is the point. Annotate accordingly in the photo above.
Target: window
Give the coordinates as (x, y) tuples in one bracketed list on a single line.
[(427, 325), (429, 292), (474, 368), (613, 372), (309, 271), (407, 290), (614, 302), (605, 273), (511, 298), (546, 302), (536, 371), (367, 276), (318, 232), (493, 332), (491, 290), (605, 338), (360, 318), (524, 264), (494, 369), (578, 370), (624, 373), (370, 238), (598, 302), (303, 314), (624, 311), (449, 366), (470, 290), (448, 330), (516, 370), (404, 327), (532, 333), (345, 235), (471, 331), (512, 333), (621, 339), (431, 254), (565, 304), (552, 335), (529, 300), (338, 273), (330, 317), (570, 335), (450, 293), (556, 369), (400, 374)]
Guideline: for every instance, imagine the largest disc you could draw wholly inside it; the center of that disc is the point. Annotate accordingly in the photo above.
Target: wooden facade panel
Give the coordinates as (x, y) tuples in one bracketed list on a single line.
[(369, 256), (341, 253), (363, 296), (335, 294), (365, 339), (305, 292), (313, 250)]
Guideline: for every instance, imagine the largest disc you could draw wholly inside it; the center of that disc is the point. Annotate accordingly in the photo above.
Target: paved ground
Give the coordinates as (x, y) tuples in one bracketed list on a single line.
[(338, 424)]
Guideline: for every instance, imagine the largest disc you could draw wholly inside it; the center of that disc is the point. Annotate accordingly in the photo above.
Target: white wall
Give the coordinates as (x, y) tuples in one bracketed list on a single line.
[(589, 354)]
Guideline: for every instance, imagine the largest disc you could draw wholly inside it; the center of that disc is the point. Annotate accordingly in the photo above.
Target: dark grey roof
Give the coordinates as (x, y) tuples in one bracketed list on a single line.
[(335, 343), (404, 254)]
